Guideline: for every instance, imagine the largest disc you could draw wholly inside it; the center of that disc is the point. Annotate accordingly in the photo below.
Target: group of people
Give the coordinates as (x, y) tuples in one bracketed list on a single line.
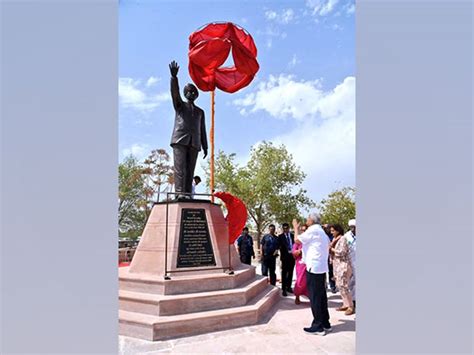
[(315, 251)]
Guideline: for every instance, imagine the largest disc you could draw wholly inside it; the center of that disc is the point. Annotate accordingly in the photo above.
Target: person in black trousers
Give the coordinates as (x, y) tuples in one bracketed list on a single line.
[(245, 247), (315, 245), (286, 241), (269, 251), (332, 281)]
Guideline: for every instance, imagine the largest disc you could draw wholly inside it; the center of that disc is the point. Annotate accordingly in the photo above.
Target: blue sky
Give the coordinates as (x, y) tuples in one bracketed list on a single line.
[(303, 95)]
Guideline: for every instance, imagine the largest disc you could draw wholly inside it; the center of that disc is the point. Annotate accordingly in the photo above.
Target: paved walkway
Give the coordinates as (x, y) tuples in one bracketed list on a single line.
[(280, 333)]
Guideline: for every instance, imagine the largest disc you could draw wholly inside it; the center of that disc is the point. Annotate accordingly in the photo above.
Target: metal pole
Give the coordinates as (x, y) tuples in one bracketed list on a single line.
[(231, 271), (230, 264), (211, 136), (166, 239)]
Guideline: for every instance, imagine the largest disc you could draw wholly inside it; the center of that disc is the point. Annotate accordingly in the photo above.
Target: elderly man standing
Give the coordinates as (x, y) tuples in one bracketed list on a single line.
[(315, 245)]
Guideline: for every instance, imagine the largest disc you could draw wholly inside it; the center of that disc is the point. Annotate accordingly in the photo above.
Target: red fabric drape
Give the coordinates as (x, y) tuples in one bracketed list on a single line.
[(209, 48), (236, 214)]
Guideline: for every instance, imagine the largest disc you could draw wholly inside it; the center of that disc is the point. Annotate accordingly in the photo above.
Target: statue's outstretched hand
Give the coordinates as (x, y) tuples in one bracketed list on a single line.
[(205, 154), (174, 67)]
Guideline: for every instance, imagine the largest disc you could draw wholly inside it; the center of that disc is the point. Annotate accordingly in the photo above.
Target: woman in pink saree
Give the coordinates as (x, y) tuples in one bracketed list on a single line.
[(300, 288)]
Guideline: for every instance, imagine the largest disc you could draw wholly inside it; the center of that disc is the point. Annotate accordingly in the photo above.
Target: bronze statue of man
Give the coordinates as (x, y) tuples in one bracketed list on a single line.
[(189, 134)]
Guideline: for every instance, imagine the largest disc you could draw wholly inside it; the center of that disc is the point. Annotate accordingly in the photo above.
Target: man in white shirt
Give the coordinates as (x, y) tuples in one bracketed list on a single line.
[(315, 255)]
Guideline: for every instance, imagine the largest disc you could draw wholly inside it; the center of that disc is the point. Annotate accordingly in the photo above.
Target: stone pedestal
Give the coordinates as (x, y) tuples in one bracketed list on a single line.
[(185, 279)]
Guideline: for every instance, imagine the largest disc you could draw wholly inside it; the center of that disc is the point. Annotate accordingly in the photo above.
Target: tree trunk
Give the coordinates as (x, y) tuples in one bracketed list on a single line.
[(259, 238), (158, 193)]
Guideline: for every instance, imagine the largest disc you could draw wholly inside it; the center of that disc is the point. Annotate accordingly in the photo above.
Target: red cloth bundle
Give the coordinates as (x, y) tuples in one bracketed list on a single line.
[(209, 48), (236, 214)]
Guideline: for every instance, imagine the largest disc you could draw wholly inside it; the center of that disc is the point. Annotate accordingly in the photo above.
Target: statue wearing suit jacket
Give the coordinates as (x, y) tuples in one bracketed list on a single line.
[(189, 134)]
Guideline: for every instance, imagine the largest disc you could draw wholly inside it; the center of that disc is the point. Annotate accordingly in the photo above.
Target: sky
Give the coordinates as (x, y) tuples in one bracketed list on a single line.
[(303, 95)]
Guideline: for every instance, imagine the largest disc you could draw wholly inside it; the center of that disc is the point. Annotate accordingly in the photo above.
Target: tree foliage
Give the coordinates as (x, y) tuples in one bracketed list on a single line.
[(131, 196), (338, 207), (140, 185), (269, 184), (159, 174)]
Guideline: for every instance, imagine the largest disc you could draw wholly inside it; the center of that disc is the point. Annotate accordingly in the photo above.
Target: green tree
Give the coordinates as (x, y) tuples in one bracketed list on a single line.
[(269, 184), (140, 186), (338, 207), (131, 197)]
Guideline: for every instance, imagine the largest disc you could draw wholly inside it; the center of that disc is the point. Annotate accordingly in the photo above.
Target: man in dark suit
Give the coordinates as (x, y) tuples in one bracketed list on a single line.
[(245, 247), (332, 283), (286, 239), (268, 253), (189, 134)]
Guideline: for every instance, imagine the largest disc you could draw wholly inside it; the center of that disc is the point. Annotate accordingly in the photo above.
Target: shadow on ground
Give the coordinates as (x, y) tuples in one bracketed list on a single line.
[(289, 302), (345, 325)]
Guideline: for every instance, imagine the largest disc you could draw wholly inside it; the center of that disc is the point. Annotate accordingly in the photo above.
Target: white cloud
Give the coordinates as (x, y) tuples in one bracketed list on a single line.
[(337, 27), (270, 15), (349, 8), (321, 7), (152, 80), (322, 141), (294, 61), (270, 33), (162, 97), (282, 97), (325, 152), (132, 94), (285, 16), (328, 7), (139, 151)]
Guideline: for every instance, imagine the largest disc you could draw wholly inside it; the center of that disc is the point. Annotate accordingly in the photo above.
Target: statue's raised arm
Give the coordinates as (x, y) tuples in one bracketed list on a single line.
[(177, 101)]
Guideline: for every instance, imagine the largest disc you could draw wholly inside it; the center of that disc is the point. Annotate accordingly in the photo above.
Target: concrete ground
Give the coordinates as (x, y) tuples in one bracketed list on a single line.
[(281, 332)]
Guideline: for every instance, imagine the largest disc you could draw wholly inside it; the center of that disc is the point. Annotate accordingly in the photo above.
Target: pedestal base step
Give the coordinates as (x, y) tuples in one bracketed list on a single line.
[(183, 284), (154, 327), (167, 305)]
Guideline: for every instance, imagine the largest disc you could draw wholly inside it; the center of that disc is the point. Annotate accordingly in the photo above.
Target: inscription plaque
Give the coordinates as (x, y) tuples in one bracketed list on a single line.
[(195, 247)]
